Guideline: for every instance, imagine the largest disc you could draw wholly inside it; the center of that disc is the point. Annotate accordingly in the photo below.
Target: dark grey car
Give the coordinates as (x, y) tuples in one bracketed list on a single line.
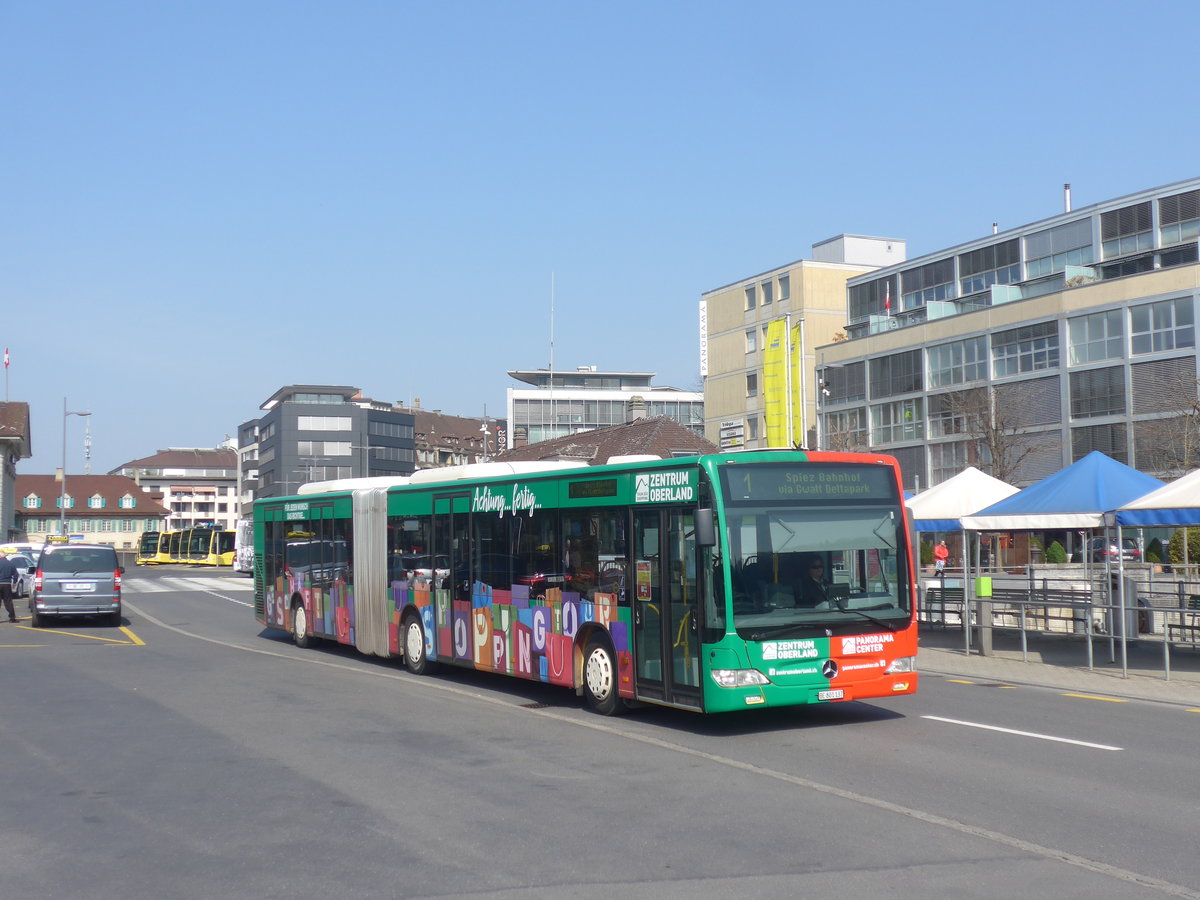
[(76, 580)]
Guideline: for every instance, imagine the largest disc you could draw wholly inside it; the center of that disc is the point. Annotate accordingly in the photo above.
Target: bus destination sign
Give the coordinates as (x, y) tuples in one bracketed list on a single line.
[(808, 483)]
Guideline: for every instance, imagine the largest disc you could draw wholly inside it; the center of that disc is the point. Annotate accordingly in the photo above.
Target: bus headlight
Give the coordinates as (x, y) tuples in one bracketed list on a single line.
[(739, 677), (903, 664)]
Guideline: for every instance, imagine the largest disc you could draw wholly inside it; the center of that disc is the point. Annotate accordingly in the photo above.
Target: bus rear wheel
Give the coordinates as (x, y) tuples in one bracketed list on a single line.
[(414, 646), (600, 679), (300, 626)]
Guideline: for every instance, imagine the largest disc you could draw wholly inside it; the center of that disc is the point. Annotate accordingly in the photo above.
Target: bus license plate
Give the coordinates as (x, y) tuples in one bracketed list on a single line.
[(81, 587), (831, 695)]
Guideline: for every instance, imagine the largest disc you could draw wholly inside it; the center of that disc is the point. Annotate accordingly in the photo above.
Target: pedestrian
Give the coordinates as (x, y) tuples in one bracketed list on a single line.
[(940, 554), (8, 573)]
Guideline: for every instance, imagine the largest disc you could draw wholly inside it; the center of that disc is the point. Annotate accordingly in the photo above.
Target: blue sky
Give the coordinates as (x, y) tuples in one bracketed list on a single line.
[(203, 202)]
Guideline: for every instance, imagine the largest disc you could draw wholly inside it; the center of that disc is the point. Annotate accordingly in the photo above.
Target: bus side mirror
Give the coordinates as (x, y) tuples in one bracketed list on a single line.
[(706, 532)]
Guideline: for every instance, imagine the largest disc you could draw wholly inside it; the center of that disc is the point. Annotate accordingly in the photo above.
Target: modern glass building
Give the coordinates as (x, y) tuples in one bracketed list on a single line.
[(1022, 351), (562, 403)]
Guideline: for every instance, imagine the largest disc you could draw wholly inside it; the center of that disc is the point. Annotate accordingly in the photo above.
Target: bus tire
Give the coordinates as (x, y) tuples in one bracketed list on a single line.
[(300, 626), (600, 678), (415, 658)]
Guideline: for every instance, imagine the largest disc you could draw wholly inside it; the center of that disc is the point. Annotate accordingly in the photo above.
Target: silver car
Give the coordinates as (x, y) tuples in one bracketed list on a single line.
[(23, 582), (76, 580)]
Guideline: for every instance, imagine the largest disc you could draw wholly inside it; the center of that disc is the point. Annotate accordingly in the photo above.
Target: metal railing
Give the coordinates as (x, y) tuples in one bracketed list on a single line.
[(1156, 607)]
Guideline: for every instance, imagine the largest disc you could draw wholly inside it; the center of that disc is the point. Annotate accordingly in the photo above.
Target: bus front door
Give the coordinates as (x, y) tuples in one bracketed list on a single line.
[(665, 607)]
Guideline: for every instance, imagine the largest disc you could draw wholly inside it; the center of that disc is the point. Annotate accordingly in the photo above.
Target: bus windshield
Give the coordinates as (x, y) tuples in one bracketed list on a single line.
[(805, 563)]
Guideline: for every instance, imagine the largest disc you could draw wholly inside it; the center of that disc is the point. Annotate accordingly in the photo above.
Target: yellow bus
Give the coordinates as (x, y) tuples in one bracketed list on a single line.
[(207, 546)]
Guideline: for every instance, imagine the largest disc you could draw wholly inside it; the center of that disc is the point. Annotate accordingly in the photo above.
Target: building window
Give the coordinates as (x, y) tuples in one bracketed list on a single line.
[(785, 287), (896, 374), (751, 344), (1098, 392), (867, 299), (1025, 349), (1179, 218), (958, 362), (324, 423), (845, 430), (1052, 250), (1108, 439), (33, 501), (903, 420), (752, 384), (127, 502), (1096, 337), (107, 525), (390, 429), (128, 524), (95, 502), (957, 412), (947, 460), (1126, 230), (323, 448), (843, 384), (1166, 325), (751, 296), (768, 292), (997, 264), (928, 283)]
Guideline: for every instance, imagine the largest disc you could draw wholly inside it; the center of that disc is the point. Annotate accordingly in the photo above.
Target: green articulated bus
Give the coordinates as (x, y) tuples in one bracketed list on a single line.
[(711, 583)]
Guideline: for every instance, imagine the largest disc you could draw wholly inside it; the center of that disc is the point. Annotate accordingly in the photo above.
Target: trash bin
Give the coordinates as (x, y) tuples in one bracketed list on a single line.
[(1112, 619)]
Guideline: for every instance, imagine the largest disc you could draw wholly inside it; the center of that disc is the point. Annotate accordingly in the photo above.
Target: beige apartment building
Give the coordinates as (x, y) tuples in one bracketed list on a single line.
[(811, 296)]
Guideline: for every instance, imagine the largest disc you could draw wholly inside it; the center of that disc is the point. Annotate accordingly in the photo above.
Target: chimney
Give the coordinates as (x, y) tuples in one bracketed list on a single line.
[(636, 408), (1066, 198), (995, 228)]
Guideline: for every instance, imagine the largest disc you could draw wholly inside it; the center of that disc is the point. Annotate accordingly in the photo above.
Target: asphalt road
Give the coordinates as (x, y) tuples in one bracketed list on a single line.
[(193, 754)]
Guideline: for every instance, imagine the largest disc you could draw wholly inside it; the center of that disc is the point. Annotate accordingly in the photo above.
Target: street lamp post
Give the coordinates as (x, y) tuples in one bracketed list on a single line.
[(62, 495)]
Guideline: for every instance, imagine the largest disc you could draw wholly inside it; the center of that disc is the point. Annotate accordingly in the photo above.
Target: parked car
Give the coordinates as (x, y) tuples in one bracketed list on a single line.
[(25, 567), (1100, 549), (76, 580)]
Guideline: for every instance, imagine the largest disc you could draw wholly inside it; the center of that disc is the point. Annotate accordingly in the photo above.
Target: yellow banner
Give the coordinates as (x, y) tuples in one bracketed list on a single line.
[(797, 357), (775, 383)]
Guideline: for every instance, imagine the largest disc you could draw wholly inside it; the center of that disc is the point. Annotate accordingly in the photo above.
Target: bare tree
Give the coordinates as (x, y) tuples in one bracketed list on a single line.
[(995, 426), (1169, 444)]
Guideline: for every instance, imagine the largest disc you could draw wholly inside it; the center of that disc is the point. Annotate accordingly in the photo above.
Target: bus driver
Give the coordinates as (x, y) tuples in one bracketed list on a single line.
[(811, 589)]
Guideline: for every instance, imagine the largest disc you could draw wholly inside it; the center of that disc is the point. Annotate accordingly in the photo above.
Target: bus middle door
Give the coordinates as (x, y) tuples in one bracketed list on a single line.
[(666, 604), (450, 575)]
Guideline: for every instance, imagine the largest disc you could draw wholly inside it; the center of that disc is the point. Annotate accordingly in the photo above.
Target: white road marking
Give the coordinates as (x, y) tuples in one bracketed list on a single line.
[(203, 585), (1030, 734)]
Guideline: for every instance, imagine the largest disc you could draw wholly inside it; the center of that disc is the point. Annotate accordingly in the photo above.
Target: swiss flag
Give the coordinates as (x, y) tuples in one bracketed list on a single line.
[(887, 299)]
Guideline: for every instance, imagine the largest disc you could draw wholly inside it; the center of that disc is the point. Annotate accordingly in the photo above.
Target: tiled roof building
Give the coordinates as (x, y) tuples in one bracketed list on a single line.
[(104, 509)]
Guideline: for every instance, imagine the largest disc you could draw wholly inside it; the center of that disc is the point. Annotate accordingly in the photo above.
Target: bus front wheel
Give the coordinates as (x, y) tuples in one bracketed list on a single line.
[(300, 626), (414, 646), (600, 679)]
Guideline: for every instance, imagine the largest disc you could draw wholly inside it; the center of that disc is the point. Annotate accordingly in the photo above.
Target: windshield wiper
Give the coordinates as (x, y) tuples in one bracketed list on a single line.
[(880, 622), (784, 630)]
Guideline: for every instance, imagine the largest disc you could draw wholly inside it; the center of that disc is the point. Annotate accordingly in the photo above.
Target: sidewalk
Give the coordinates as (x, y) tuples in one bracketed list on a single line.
[(1060, 662)]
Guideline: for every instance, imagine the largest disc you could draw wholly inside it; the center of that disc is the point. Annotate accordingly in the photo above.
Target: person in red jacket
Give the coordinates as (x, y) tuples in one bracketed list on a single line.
[(940, 554)]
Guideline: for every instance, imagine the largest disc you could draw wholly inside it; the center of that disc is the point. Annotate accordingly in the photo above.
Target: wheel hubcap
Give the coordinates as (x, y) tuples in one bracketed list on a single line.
[(300, 622), (416, 643), (599, 674)]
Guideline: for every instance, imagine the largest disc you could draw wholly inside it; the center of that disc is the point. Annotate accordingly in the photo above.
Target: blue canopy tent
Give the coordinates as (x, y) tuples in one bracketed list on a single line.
[(1177, 503), (1076, 497)]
